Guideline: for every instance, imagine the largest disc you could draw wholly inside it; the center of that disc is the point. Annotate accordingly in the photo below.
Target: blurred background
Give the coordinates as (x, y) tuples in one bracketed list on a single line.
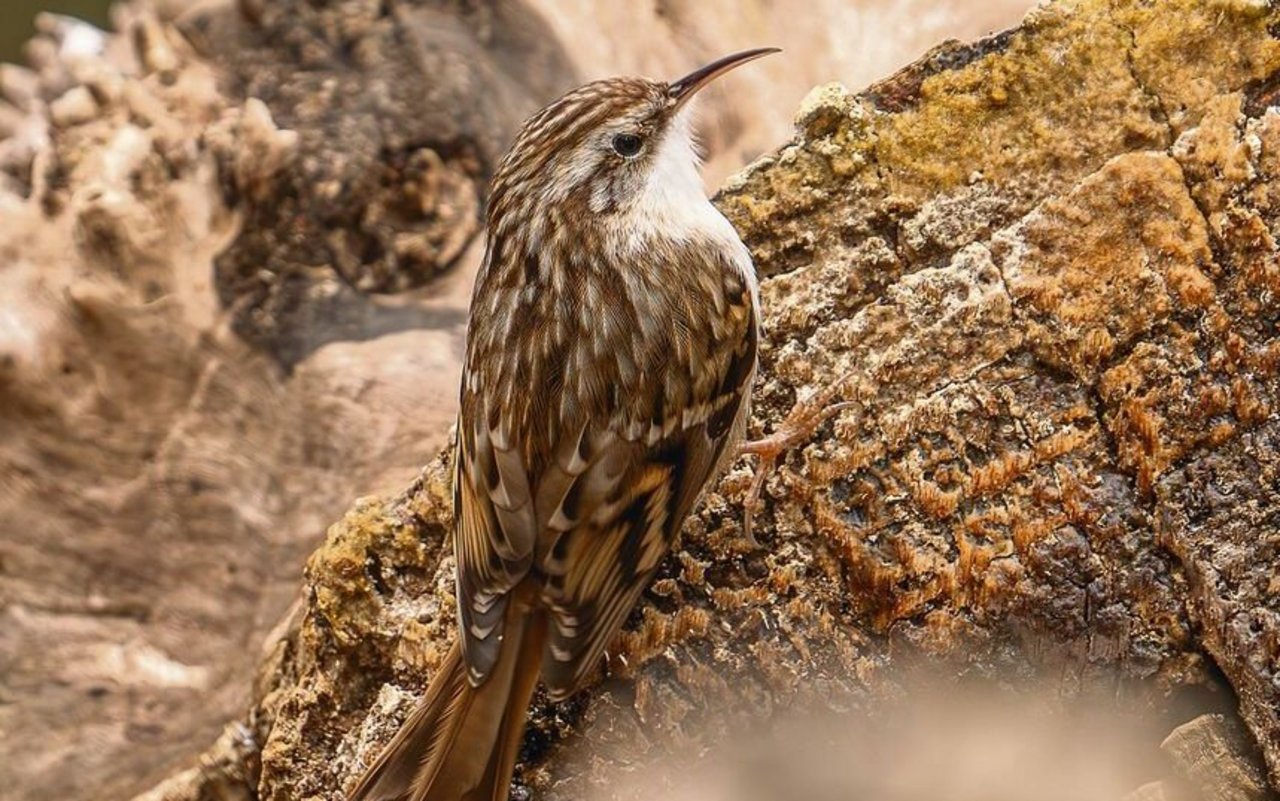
[(17, 17)]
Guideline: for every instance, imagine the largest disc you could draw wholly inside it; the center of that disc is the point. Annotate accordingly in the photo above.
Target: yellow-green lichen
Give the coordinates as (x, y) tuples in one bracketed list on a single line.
[(1061, 92)]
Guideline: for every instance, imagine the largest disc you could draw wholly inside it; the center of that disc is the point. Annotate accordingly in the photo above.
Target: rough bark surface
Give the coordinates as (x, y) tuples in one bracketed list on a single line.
[(1045, 267), (1044, 264)]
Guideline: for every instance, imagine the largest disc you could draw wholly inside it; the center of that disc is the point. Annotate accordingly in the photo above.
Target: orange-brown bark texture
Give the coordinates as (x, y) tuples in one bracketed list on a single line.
[(1043, 267)]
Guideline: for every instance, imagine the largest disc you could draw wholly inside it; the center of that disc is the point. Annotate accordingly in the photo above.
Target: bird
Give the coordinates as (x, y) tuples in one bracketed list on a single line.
[(610, 353)]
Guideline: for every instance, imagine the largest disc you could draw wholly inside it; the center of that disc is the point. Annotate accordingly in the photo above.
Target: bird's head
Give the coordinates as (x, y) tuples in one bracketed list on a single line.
[(609, 147)]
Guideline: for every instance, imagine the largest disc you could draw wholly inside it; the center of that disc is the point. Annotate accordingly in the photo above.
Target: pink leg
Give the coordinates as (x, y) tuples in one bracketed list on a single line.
[(800, 424)]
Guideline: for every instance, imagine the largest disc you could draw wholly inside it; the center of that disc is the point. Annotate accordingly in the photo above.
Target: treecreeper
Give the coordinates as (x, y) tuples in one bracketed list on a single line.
[(610, 356)]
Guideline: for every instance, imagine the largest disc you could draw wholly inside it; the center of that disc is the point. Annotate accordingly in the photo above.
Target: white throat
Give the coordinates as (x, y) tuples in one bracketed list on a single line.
[(674, 188), (674, 203)]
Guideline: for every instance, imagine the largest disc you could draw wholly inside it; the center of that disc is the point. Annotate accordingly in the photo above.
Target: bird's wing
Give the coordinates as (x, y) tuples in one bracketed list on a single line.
[(615, 496), (495, 531)]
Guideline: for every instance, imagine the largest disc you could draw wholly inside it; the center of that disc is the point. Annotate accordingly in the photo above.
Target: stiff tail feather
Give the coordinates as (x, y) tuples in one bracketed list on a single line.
[(461, 742)]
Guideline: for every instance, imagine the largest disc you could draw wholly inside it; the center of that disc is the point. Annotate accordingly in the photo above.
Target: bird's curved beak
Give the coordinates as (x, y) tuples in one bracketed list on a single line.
[(680, 91)]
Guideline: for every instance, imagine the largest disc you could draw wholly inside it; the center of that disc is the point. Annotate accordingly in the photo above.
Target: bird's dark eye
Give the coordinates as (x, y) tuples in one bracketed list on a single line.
[(627, 145)]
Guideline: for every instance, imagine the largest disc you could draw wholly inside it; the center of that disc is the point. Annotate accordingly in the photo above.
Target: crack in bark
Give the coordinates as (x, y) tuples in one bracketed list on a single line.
[(1161, 114)]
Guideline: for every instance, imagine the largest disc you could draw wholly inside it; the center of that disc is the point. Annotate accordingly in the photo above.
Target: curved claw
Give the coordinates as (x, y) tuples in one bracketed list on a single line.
[(800, 424)]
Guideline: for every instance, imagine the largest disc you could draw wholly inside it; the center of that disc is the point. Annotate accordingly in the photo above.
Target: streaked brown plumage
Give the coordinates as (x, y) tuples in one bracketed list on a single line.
[(610, 355)]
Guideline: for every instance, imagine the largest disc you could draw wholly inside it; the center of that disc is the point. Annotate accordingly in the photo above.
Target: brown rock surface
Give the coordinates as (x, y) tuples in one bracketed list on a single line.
[(1212, 758), (1044, 267)]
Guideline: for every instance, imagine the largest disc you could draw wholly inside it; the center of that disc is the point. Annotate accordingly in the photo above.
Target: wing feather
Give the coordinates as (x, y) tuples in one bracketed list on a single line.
[(628, 505), (495, 535)]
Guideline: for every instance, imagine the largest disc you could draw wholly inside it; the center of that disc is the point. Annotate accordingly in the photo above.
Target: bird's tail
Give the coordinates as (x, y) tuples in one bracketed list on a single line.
[(461, 742)]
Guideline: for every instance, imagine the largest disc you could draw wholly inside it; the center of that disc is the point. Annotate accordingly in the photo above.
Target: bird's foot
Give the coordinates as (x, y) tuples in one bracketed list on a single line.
[(800, 424)]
